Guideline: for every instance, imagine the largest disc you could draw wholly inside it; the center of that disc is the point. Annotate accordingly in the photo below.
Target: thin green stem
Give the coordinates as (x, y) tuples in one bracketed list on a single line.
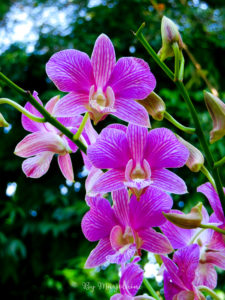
[(176, 51), (193, 112), (210, 226), (219, 163), (207, 290), (81, 128), (150, 50), (177, 124), (22, 110), (48, 117), (181, 71), (150, 289), (206, 172)]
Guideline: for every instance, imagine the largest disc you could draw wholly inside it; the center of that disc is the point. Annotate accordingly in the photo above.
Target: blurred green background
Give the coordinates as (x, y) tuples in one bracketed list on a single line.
[(42, 248)]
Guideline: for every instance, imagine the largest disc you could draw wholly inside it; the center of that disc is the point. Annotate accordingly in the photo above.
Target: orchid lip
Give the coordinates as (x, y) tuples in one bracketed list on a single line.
[(102, 102)]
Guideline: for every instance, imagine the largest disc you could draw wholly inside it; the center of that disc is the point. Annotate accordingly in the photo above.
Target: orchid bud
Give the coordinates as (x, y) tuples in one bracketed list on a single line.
[(196, 159), (170, 35), (3, 122), (187, 221), (154, 105), (216, 108)]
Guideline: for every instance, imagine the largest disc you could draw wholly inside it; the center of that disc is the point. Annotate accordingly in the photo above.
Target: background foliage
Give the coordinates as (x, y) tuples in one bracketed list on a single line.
[(42, 249)]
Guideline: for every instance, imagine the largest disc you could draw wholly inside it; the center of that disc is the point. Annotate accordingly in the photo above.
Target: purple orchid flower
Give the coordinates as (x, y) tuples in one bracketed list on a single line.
[(212, 249), (126, 228), (180, 273), (100, 85), (45, 141), (130, 282), (138, 159)]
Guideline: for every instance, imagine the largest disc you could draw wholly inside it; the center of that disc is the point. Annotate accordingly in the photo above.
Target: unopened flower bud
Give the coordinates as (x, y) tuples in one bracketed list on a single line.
[(187, 221), (170, 35), (154, 105), (196, 159), (3, 122), (216, 108)]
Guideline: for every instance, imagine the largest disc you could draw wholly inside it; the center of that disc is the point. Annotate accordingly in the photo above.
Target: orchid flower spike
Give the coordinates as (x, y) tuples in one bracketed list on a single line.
[(138, 159), (130, 282), (216, 108), (44, 141), (126, 228), (101, 85)]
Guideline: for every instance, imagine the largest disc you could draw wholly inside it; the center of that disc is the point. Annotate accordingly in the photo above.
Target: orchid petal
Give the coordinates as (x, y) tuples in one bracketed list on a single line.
[(154, 241), (131, 111), (66, 167), (187, 259), (93, 176), (109, 182), (205, 274), (29, 124), (71, 71), (131, 279), (163, 150), (103, 60), (50, 105), (99, 221), (179, 237), (137, 137), (38, 142), (111, 150), (168, 181), (132, 79), (98, 255), (122, 255), (37, 166), (208, 190), (217, 258), (121, 205), (72, 104), (170, 287), (147, 212)]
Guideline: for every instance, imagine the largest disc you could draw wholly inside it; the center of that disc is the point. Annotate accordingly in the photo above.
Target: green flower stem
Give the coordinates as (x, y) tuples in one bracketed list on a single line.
[(48, 117), (150, 289), (206, 172), (203, 142), (150, 50), (210, 226), (22, 110), (176, 51), (207, 290), (181, 71), (177, 124), (193, 112), (219, 163), (81, 128)]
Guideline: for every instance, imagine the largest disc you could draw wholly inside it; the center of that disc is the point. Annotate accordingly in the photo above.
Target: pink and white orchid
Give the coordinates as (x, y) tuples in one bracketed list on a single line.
[(44, 141), (138, 159), (101, 85), (126, 228)]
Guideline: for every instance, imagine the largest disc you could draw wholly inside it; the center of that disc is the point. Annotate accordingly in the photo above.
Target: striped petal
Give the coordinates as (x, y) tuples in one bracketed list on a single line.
[(103, 60), (131, 79), (66, 167), (71, 71)]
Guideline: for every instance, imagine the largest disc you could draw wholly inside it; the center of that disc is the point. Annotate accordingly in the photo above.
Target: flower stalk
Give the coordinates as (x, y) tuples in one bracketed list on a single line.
[(207, 290), (47, 116), (81, 128), (178, 124), (150, 289), (185, 95), (22, 110), (210, 226)]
